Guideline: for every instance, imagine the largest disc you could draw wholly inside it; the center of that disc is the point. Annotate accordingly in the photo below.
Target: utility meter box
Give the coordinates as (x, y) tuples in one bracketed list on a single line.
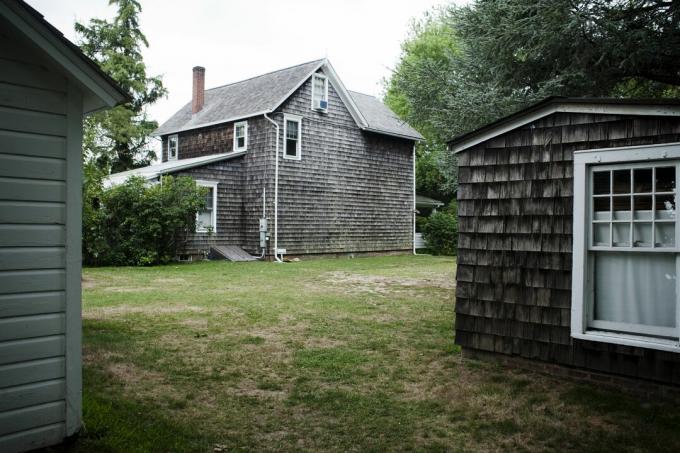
[(263, 224)]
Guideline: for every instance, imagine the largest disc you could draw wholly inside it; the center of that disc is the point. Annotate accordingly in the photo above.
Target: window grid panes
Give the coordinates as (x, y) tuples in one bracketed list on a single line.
[(319, 90), (634, 207), (292, 142), (240, 136), (172, 147)]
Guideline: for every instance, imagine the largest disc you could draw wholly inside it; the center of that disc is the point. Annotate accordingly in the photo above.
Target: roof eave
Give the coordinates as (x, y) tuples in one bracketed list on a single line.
[(104, 91), (212, 123), (393, 134), (561, 105)]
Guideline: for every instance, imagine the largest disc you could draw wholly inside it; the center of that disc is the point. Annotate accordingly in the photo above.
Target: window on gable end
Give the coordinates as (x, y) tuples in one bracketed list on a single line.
[(241, 136), (320, 92)]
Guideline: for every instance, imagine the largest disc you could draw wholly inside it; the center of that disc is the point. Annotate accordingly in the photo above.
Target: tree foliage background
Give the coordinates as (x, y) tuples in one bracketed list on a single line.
[(118, 139), (462, 67)]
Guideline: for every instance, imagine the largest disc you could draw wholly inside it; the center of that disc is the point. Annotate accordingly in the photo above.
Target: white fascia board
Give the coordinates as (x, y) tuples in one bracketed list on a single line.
[(570, 107), (151, 173), (62, 55), (344, 95)]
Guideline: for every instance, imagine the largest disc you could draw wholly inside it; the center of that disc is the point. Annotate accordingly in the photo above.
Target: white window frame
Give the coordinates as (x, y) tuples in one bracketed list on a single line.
[(325, 94), (176, 138), (213, 185), (298, 151), (245, 136), (582, 289)]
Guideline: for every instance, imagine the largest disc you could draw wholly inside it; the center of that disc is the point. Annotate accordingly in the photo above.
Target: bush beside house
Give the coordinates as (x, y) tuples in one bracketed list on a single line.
[(137, 224), (440, 231)]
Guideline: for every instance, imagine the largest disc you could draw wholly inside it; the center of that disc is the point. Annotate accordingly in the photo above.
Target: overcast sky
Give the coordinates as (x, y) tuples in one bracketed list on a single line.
[(235, 40)]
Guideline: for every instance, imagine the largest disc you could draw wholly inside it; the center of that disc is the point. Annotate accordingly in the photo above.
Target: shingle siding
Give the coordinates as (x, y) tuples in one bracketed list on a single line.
[(350, 192), (515, 204)]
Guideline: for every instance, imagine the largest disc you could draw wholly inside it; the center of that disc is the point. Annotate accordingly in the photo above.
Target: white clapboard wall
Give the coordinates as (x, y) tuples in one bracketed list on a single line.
[(40, 120)]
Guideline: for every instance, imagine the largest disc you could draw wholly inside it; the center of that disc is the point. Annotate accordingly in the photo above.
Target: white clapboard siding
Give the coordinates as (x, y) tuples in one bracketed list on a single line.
[(32, 394), (32, 326), (33, 221), (16, 374), (31, 417), (32, 189), (33, 144), (31, 349), (32, 212), (31, 439), (21, 258), (34, 303), (12, 235), (17, 166)]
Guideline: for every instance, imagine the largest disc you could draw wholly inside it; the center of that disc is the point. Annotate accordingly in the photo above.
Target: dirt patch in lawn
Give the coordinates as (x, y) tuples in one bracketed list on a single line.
[(383, 285)]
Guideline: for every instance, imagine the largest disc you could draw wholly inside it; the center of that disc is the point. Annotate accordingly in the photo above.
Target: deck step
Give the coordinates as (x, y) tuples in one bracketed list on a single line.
[(230, 253)]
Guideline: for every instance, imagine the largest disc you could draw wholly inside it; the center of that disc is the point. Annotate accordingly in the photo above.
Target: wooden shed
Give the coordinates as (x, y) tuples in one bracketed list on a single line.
[(46, 85), (568, 240)]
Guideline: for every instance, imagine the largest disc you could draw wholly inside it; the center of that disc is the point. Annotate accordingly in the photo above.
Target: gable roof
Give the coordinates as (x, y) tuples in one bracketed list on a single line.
[(172, 166), (101, 91), (554, 104), (264, 93)]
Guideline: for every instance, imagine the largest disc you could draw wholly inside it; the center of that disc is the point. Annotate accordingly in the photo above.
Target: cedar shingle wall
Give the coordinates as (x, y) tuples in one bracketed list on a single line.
[(515, 199), (240, 182), (350, 192)]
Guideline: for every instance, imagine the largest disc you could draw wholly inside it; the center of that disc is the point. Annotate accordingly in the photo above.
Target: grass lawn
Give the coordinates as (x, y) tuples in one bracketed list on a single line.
[(328, 355)]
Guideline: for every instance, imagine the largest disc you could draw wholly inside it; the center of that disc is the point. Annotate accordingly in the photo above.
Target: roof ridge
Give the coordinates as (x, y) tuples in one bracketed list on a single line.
[(265, 74), (363, 94)]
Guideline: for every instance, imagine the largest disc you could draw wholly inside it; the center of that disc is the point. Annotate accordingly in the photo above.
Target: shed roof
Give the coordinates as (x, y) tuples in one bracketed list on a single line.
[(101, 90), (380, 118), (266, 92), (172, 166), (554, 104), (426, 202)]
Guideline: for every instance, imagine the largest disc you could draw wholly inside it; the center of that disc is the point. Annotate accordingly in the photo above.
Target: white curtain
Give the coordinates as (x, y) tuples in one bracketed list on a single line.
[(635, 288)]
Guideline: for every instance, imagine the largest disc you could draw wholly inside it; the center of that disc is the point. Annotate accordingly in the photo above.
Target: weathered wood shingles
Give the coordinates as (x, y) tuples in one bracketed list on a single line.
[(515, 204), (350, 192)]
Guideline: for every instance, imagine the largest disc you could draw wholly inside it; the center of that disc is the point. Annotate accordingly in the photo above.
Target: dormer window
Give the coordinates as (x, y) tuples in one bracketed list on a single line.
[(319, 93), (241, 136), (173, 145)]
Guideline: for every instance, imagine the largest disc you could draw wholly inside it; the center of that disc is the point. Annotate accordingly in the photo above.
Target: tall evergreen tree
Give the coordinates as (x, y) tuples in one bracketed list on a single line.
[(118, 139)]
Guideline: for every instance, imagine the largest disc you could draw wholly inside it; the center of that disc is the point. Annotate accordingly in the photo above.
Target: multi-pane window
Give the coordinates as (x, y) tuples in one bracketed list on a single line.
[(319, 92), (241, 136), (206, 218), (632, 252), (172, 147), (292, 137)]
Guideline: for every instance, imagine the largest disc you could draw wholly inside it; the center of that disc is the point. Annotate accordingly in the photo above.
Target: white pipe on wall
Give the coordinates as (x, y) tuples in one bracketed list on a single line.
[(414, 199), (276, 191)]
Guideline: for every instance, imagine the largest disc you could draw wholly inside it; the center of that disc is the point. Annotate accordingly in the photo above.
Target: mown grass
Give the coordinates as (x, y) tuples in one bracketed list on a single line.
[(328, 355)]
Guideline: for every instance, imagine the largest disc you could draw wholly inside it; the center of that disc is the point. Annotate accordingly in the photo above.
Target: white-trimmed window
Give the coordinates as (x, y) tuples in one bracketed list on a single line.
[(173, 147), (241, 136), (320, 92), (292, 137), (206, 218), (625, 285)]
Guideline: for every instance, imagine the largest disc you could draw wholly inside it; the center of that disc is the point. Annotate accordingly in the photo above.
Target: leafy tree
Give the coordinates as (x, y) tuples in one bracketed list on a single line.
[(463, 67), (430, 42), (118, 139)]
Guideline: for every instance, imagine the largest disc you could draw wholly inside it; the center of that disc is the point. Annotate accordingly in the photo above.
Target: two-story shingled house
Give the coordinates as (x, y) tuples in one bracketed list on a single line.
[(331, 171)]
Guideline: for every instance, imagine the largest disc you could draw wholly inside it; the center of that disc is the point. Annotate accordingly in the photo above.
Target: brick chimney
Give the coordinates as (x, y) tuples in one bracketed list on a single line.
[(197, 94)]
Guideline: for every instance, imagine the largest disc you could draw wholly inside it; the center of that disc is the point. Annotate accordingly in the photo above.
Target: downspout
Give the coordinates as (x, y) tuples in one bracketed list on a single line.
[(414, 198), (276, 191), (264, 215)]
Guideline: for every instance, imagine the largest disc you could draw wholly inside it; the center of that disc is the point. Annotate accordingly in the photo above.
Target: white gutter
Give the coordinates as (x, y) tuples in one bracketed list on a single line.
[(276, 191)]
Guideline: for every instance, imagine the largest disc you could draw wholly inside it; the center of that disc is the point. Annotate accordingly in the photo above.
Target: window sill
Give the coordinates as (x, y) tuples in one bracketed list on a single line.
[(628, 340), (320, 110), (292, 157)]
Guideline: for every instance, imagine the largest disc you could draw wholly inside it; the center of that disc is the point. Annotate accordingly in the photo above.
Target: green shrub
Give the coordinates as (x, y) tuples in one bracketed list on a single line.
[(136, 223), (441, 233), (421, 221)]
